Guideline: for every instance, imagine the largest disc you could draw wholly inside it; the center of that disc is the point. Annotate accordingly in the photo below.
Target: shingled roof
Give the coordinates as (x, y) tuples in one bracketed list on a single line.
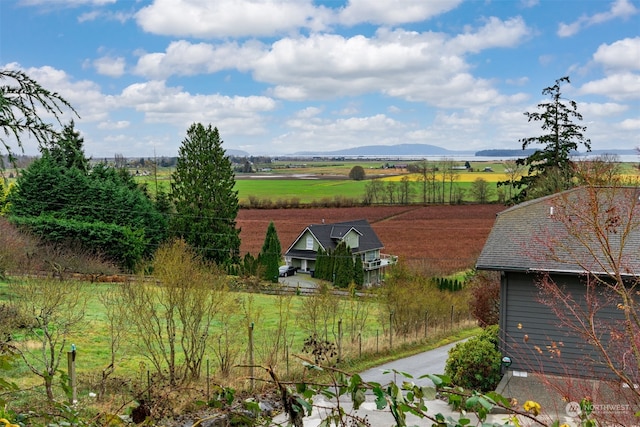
[(329, 235), (533, 236)]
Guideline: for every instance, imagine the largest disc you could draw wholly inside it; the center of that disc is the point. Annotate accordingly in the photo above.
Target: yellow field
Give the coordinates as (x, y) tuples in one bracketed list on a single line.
[(463, 176)]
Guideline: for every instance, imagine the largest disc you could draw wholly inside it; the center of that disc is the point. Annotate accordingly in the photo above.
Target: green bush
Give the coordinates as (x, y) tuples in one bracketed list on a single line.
[(475, 363), (119, 243)]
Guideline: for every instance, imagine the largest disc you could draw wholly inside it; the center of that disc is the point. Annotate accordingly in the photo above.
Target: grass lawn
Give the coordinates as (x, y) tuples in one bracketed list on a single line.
[(93, 339)]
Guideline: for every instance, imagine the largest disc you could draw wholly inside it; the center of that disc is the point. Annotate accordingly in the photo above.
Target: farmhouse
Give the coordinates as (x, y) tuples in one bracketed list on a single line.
[(582, 240), (359, 237)]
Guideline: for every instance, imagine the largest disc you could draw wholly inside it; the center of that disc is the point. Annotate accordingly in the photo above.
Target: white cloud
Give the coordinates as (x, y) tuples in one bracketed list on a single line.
[(311, 134), (229, 18), (520, 81), (622, 54), (84, 95), (426, 67), (591, 109), (184, 58), (495, 33), (93, 15), (619, 9), (392, 12), (631, 125), (108, 66), (308, 112), (623, 86), (110, 125), (171, 105)]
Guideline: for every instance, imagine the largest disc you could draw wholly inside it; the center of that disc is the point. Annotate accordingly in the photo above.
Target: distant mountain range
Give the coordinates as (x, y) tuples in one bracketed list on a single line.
[(406, 150), (388, 150)]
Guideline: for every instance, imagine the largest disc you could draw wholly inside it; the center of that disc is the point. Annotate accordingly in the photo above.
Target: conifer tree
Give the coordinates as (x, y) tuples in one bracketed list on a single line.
[(343, 267), (22, 101), (321, 266), (271, 254), (67, 150), (358, 272), (205, 200), (550, 168)]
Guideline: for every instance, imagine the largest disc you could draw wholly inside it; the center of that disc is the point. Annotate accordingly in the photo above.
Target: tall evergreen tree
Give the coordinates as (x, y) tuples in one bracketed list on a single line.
[(103, 211), (358, 272), (206, 203), (271, 254), (550, 169), (67, 150), (321, 266), (343, 267)]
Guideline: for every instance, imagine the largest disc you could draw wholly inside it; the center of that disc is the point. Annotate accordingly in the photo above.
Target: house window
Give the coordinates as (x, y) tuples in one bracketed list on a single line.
[(309, 243)]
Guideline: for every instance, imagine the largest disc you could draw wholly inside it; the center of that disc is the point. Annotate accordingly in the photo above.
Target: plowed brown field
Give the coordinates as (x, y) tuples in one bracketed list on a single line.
[(436, 239)]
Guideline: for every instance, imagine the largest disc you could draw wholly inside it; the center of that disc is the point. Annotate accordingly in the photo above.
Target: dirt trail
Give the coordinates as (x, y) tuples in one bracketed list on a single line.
[(396, 215)]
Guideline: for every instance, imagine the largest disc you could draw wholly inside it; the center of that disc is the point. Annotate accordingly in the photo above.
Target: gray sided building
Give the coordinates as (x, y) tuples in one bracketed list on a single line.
[(553, 239), (357, 234)]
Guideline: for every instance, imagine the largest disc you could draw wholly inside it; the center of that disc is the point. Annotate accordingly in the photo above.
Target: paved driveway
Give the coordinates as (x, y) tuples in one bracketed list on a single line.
[(430, 362), (301, 280)]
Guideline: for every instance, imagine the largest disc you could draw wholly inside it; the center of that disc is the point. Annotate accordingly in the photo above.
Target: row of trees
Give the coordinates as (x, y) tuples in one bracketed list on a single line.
[(407, 191), (339, 266), (64, 199)]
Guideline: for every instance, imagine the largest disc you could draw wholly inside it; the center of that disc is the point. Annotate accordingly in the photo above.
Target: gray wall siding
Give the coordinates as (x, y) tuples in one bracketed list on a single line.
[(537, 340)]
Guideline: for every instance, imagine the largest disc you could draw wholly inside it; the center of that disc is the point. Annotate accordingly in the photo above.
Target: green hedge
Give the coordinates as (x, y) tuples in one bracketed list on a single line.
[(120, 244)]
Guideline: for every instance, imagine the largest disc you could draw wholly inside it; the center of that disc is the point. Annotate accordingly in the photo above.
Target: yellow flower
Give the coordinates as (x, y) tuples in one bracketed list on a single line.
[(7, 423), (531, 406), (564, 425)]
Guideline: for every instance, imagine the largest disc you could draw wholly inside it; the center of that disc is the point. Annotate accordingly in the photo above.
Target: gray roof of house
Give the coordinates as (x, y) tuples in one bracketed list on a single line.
[(329, 235), (554, 234)]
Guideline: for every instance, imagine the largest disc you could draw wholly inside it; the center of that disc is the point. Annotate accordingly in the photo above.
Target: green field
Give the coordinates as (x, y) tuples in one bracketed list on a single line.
[(305, 190), (318, 181), (92, 341), (266, 312)]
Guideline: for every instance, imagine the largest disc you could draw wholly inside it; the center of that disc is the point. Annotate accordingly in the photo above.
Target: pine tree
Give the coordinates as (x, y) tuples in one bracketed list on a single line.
[(343, 267), (67, 150), (550, 169), (322, 261), (358, 272), (271, 254), (22, 101), (205, 201)]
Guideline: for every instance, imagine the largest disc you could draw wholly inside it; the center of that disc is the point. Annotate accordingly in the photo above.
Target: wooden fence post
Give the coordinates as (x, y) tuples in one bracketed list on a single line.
[(71, 363), (339, 340), (390, 330), (252, 381)]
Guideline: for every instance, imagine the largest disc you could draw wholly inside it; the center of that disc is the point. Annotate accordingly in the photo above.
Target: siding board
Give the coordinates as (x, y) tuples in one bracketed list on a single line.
[(537, 340)]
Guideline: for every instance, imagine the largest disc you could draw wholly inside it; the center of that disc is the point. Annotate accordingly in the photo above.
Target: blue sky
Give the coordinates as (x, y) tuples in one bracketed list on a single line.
[(281, 76)]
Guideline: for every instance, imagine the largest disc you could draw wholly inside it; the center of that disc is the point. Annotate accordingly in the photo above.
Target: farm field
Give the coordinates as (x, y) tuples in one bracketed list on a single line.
[(304, 189), (440, 238), (317, 181)]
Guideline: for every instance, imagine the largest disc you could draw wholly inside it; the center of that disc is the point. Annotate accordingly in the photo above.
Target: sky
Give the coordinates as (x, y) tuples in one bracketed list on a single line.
[(283, 76)]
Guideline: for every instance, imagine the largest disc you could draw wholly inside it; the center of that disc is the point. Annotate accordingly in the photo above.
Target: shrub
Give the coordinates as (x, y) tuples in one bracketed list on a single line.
[(485, 298), (13, 247), (475, 363)]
